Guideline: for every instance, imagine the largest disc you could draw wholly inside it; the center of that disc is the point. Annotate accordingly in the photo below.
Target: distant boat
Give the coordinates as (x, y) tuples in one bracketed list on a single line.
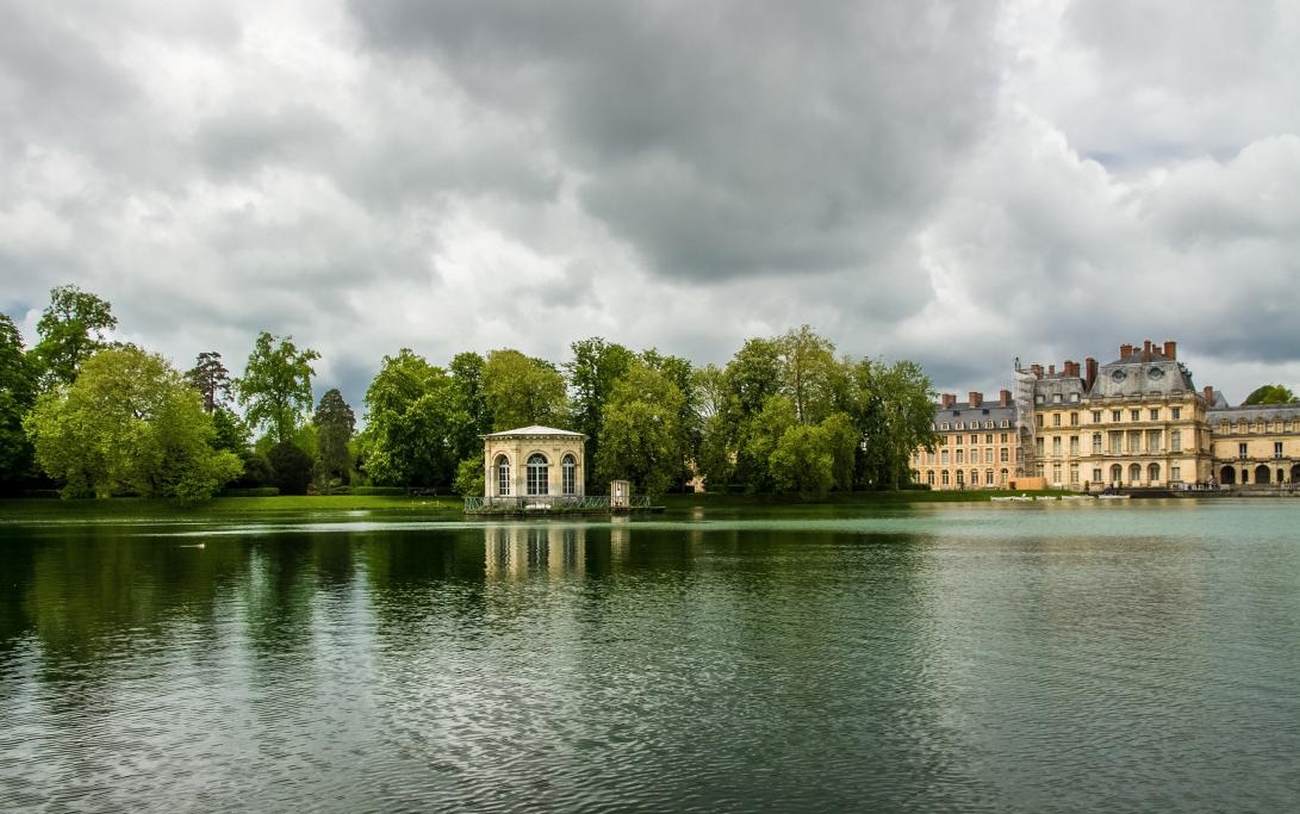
[(1011, 498), (1114, 497)]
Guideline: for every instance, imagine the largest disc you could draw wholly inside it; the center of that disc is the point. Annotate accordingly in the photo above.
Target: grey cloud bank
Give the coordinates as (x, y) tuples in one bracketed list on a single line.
[(913, 179)]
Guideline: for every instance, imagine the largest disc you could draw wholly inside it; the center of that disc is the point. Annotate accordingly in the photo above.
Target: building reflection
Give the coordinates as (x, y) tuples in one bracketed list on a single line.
[(513, 552)]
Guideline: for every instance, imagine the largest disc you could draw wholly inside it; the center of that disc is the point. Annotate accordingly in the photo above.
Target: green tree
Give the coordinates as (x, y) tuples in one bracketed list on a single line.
[(592, 372), (275, 389), (753, 376), (467, 386), (803, 461), (17, 394), (334, 424), (291, 467), (522, 391), (892, 407), (469, 476), (809, 373), (231, 433), (72, 327), (1270, 394), (414, 419), (210, 377), (640, 439), (761, 434), (129, 423)]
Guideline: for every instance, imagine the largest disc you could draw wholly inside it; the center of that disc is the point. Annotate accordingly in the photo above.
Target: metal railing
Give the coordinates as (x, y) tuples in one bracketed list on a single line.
[(547, 503)]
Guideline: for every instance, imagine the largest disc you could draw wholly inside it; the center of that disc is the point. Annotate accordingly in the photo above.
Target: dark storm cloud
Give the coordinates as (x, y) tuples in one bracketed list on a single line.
[(728, 139)]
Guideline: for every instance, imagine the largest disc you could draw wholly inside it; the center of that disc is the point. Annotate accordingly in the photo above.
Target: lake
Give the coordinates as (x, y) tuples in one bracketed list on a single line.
[(962, 657)]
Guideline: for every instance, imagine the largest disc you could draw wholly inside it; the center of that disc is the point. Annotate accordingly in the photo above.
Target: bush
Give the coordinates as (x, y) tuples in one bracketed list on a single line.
[(259, 491), (378, 490), (292, 466), (257, 472)]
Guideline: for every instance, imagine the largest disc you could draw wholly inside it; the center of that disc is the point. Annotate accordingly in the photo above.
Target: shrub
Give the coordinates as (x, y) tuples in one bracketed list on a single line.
[(257, 472), (378, 490), (259, 491)]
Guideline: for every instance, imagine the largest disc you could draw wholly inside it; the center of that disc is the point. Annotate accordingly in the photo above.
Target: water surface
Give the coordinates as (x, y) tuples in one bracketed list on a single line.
[(1024, 657)]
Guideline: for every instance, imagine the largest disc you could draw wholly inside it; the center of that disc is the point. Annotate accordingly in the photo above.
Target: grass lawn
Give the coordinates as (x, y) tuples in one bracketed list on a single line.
[(403, 505)]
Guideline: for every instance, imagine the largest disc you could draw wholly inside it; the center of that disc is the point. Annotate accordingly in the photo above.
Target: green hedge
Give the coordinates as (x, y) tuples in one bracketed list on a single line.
[(256, 491), (379, 490)]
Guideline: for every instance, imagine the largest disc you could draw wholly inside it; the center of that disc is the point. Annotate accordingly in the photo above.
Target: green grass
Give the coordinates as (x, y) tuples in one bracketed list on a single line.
[(398, 506)]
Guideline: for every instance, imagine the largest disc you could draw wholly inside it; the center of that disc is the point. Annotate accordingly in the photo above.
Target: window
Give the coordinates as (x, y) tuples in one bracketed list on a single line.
[(1134, 415), (1056, 398), (1056, 473), (503, 475), (988, 456), (974, 477), (1056, 419), (1241, 450), (988, 437), (988, 477), (959, 426), (1038, 399), (1003, 475), (1074, 419), (961, 477), (929, 458), (1074, 473), (974, 439), (1038, 446), (1176, 440), (1153, 440), (943, 477), (1004, 423), (1074, 445), (1114, 415), (943, 457), (1096, 416), (1003, 457), (1038, 419), (1056, 445), (988, 425), (1277, 449), (1096, 475), (1074, 397), (1096, 444), (1175, 473), (944, 425), (929, 478), (1116, 442), (569, 471), (1003, 438), (1155, 413), (961, 458), (1176, 412), (538, 478)]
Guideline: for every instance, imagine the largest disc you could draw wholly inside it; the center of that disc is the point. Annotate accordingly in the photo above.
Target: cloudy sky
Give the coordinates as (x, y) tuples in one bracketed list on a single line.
[(959, 183)]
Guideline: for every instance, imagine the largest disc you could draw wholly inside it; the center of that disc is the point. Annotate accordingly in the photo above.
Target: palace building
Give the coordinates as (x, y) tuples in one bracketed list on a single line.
[(1136, 422), (533, 464)]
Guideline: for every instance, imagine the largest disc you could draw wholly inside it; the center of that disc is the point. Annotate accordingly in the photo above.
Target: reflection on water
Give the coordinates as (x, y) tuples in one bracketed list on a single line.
[(952, 658)]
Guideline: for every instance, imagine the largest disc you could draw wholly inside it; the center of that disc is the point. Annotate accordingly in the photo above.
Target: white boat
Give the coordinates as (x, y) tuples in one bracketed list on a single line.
[(1114, 497)]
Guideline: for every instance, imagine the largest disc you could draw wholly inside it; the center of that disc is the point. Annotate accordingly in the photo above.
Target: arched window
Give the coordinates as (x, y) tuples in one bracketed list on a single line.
[(1134, 473), (538, 474), (569, 471), (929, 477), (1153, 473), (1003, 475), (503, 475), (1116, 474)]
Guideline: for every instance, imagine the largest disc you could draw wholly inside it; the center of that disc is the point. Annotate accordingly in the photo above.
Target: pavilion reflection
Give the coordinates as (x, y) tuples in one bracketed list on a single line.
[(526, 550)]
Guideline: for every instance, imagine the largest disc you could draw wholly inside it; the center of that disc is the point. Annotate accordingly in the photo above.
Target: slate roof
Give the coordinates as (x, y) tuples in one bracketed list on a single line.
[(534, 430), (1136, 376), (1260, 412), (962, 411)]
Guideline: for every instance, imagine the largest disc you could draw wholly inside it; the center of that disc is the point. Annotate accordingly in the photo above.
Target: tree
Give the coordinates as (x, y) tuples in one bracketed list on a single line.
[(17, 394), (808, 373), (231, 433), (210, 377), (1271, 394), (292, 468), (753, 376), (761, 435), (803, 461), (892, 408), (71, 328), (467, 386), (593, 371), (640, 437), (413, 420), (335, 424), (129, 423), (522, 391), (275, 389), (469, 476)]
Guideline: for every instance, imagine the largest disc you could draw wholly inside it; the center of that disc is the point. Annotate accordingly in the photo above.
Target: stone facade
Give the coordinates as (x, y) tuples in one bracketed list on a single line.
[(533, 462), (1138, 421)]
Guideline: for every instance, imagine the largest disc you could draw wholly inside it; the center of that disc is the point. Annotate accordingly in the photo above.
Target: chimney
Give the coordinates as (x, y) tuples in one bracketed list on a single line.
[(976, 398), (1004, 398), (1208, 392), (1071, 369), (1146, 350), (1051, 370), (1090, 366), (1125, 351), (949, 399), (1038, 371), (1171, 349)]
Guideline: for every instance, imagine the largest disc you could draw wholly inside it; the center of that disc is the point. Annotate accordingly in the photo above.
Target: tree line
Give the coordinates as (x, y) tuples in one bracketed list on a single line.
[(786, 414)]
